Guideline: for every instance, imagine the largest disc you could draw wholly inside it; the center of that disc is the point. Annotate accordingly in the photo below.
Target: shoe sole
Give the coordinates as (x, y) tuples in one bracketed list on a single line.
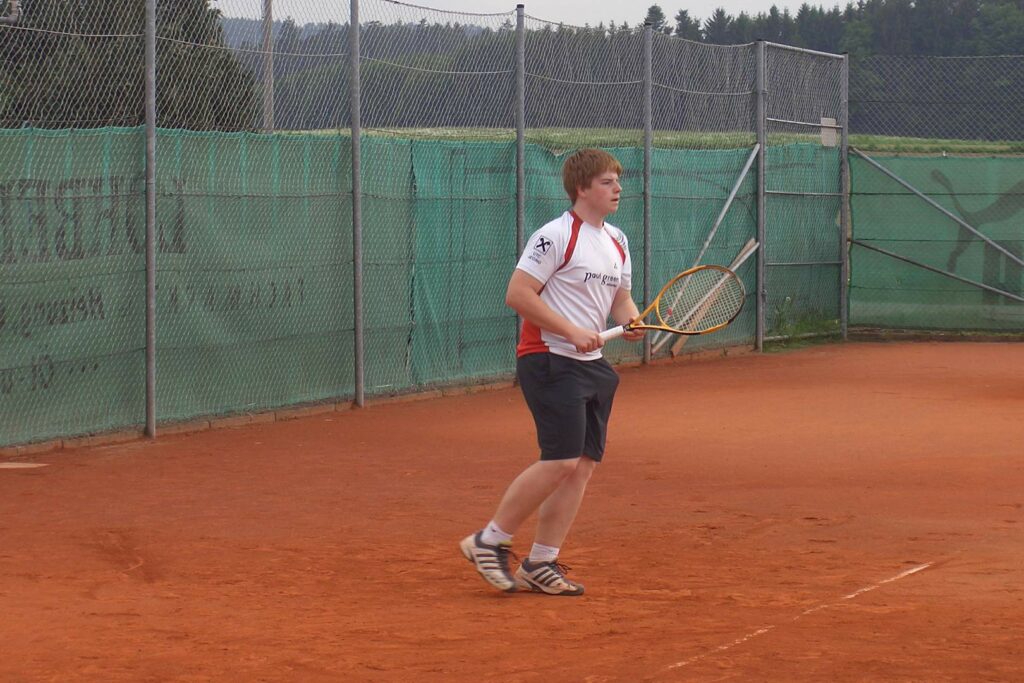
[(523, 584), (468, 554)]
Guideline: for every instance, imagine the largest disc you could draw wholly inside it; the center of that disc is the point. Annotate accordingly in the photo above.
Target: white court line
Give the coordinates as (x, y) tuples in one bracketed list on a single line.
[(826, 605), (20, 465)]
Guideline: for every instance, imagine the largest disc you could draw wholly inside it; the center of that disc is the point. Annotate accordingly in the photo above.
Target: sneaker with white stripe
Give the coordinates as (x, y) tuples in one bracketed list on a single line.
[(546, 577), (491, 561)]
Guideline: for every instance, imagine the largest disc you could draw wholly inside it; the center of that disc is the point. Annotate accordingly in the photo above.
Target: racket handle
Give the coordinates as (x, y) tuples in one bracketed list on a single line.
[(613, 333)]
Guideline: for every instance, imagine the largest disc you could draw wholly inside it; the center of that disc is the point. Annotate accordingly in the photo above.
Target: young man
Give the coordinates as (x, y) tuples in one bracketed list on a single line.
[(574, 273)]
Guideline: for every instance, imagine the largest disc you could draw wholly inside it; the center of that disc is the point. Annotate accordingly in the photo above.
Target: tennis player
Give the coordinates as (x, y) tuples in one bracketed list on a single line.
[(573, 275)]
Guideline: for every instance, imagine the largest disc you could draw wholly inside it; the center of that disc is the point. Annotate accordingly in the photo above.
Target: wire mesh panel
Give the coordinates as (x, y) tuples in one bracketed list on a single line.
[(72, 65), (254, 194), (439, 220), (956, 99), (704, 96), (804, 242), (585, 88), (690, 190), (72, 282), (437, 74), (938, 237), (254, 288), (703, 102), (952, 278), (72, 228)]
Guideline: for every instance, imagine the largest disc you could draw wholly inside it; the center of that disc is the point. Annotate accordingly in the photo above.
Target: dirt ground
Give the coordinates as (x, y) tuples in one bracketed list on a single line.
[(837, 513)]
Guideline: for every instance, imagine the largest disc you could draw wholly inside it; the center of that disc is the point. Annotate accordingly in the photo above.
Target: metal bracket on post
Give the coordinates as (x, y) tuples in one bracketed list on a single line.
[(15, 14), (648, 150), (762, 144)]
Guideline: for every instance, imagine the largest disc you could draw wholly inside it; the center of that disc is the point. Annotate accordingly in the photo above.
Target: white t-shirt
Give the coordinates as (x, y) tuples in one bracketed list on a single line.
[(582, 267)]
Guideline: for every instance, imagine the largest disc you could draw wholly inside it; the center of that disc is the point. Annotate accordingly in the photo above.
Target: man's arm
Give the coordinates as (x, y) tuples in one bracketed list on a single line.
[(523, 296), (624, 310)]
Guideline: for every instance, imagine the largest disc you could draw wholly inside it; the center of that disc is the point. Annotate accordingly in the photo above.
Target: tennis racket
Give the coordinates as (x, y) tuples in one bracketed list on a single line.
[(697, 301)]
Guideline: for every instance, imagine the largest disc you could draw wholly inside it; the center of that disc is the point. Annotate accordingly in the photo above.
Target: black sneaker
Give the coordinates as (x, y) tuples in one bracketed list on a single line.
[(546, 577), (491, 561)]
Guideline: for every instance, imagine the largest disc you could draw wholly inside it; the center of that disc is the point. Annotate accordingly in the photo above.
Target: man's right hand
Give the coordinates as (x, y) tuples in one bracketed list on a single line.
[(585, 340)]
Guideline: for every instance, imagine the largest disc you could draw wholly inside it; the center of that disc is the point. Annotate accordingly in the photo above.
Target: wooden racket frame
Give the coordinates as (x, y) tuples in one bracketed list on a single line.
[(654, 308)]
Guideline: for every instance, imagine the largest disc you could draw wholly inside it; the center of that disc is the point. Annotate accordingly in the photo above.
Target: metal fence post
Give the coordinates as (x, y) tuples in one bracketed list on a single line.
[(150, 65), (648, 145), (762, 142), (520, 68), (357, 207), (520, 103), (844, 206)]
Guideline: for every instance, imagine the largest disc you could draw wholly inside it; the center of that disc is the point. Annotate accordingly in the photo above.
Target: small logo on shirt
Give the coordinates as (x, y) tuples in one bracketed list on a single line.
[(542, 245)]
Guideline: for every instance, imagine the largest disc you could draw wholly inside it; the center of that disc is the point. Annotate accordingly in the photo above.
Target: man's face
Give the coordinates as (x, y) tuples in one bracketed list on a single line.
[(603, 194)]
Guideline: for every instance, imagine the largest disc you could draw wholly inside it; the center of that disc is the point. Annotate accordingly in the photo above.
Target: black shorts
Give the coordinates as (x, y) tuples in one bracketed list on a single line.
[(570, 400)]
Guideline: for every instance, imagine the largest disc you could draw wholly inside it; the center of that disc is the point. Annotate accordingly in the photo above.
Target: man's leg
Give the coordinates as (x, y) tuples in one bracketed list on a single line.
[(551, 387), (558, 510), (541, 572), (523, 496), (531, 489)]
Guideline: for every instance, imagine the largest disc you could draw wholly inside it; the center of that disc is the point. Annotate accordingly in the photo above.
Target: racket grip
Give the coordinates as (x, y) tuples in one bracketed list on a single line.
[(613, 333)]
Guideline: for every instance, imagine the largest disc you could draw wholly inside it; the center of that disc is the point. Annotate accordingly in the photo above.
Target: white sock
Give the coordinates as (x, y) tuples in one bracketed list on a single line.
[(494, 534), (543, 553)]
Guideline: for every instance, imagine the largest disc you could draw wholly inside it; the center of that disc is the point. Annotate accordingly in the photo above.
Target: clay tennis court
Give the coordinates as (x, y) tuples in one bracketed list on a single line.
[(847, 512)]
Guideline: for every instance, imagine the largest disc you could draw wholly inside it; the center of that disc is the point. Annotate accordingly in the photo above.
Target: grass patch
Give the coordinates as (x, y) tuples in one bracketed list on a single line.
[(881, 143), (790, 331), (561, 139)]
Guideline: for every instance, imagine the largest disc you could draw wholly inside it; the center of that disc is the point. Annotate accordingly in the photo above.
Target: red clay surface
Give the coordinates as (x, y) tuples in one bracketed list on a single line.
[(758, 518)]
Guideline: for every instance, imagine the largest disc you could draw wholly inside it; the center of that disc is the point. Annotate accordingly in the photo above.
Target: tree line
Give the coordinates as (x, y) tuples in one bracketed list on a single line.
[(423, 74), (867, 27)]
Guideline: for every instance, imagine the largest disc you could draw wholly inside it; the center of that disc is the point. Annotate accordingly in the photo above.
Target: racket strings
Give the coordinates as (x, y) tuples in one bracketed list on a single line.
[(701, 300)]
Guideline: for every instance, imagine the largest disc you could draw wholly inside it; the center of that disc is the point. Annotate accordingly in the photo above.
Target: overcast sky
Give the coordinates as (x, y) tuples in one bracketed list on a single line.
[(574, 12), (579, 12)]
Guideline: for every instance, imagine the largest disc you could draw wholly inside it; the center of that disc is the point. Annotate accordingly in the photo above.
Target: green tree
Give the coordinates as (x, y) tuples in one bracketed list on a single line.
[(893, 25), (686, 26), (743, 28), (717, 28), (999, 29), (656, 18), (54, 77), (200, 85), (858, 39)]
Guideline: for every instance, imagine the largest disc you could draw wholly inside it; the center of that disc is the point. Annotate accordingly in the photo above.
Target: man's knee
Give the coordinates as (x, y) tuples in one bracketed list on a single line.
[(564, 468), (585, 467)]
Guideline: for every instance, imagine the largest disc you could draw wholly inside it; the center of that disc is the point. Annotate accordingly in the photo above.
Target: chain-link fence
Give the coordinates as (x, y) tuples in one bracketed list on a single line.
[(804, 196), (962, 100), (938, 193), (337, 212)]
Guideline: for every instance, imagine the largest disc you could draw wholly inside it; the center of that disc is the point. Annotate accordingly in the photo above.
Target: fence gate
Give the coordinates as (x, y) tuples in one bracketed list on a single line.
[(802, 207)]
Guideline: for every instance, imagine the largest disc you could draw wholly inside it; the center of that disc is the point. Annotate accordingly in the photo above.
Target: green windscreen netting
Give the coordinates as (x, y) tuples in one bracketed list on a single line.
[(802, 239), (254, 271), (72, 282), (255, 265), (689, 189), (984, 192)]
